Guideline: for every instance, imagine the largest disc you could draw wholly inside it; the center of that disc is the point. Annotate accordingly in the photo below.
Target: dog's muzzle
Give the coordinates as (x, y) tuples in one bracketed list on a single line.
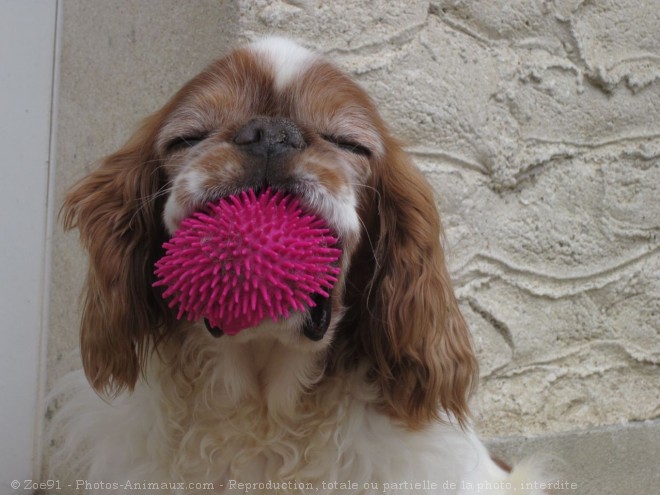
[(315, 326)]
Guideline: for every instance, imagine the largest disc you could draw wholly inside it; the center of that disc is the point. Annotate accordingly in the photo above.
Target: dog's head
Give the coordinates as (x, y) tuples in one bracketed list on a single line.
[(273, 114)]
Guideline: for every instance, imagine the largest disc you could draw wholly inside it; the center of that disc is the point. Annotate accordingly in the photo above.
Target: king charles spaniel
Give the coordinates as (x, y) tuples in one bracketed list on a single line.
[(367, 392)]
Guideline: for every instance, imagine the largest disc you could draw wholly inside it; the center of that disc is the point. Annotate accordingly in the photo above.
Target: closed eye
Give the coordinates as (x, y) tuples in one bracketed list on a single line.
[(183, 142), (348, 145)]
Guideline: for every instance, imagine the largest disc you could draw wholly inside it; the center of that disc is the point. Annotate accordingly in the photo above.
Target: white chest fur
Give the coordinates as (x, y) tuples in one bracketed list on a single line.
[(243, 418)]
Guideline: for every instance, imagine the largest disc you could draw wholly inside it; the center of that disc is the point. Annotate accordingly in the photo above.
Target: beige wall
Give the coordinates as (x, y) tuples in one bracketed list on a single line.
[(120, 60), (538, 124)]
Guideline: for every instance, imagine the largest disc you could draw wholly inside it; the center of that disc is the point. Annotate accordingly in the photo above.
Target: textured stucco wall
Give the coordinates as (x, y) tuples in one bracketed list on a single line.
[(538, 123)]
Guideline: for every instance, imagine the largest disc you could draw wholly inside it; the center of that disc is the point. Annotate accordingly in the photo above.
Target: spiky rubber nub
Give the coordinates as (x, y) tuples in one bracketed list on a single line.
[(248, 257)]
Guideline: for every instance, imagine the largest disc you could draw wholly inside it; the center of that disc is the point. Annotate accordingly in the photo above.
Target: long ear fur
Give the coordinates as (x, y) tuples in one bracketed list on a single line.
[(116, 210), (405, 318)]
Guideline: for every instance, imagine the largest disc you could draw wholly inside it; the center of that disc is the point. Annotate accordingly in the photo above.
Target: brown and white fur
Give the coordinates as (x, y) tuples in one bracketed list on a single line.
[(370, 387)]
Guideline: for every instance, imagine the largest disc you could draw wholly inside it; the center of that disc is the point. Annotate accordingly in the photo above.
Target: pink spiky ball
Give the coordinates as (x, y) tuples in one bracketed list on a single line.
[(248, 257)]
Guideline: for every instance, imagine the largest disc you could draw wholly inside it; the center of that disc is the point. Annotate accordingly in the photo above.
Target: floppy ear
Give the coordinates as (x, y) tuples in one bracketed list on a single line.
[(409, 326), (116, 209)]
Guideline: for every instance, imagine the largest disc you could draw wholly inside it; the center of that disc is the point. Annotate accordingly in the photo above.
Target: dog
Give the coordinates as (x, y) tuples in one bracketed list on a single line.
[(365, 392)]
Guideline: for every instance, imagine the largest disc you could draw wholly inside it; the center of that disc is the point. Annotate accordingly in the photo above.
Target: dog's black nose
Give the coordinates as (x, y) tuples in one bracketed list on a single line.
[(268, 137)]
